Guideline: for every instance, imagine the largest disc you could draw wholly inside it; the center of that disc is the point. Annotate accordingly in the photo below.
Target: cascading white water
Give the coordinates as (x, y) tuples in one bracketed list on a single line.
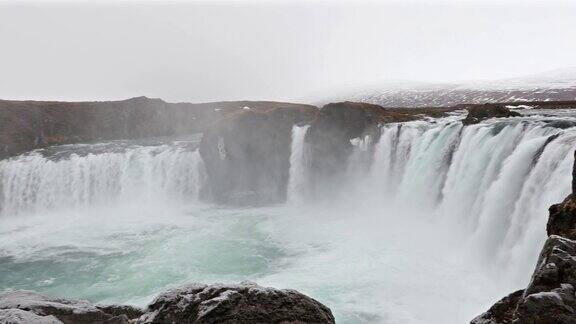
[(491, 183), (36, 183)]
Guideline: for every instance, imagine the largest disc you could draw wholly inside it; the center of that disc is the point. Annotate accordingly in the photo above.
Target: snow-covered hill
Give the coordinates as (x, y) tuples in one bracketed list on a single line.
[(552, 85)]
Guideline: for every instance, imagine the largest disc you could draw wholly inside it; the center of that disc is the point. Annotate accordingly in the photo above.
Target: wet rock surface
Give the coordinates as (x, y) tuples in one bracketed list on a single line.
[(194, 303), (502, 311), (562, 219)]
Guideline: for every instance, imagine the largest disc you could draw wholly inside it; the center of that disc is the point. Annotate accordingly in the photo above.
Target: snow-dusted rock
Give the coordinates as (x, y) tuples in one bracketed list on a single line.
[(18, 316), (242, 303), (64, 310)]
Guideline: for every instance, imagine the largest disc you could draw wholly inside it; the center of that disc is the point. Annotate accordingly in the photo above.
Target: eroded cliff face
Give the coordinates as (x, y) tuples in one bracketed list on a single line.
[(28, 125), (247, 154), (550, 297)]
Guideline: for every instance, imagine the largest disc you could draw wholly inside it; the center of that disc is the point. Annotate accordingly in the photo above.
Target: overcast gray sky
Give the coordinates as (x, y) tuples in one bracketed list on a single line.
[(278, 50)]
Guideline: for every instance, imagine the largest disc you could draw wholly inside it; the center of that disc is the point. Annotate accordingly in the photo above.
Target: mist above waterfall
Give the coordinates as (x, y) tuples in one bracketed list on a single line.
[(277, 50), (432, 220)]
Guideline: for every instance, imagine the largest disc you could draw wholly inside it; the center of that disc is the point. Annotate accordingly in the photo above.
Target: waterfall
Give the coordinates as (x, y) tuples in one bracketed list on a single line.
[(38, 182), (424, 211), (491, 183), (298, 163)]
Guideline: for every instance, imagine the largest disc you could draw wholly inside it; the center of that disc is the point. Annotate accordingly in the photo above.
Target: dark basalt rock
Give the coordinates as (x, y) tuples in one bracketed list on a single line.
[(556, 266), (243, 303), (247, 154), (479, 113), (502, 312), (562, 216), (555, 306), (130, 312), (549, 298)]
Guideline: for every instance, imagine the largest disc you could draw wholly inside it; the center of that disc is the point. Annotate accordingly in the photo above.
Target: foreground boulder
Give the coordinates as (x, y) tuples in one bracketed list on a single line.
[(193, 303), (243, 303), (479, 113), (41, 308)]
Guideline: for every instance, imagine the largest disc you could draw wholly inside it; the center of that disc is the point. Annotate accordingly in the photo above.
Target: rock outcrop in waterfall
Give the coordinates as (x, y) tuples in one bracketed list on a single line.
[(247, 154), (337, 124), (550, 297), (479, 113), (194, 303)]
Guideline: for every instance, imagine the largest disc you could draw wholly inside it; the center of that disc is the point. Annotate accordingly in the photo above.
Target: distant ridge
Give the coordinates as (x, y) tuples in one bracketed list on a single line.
[(555, 85)]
